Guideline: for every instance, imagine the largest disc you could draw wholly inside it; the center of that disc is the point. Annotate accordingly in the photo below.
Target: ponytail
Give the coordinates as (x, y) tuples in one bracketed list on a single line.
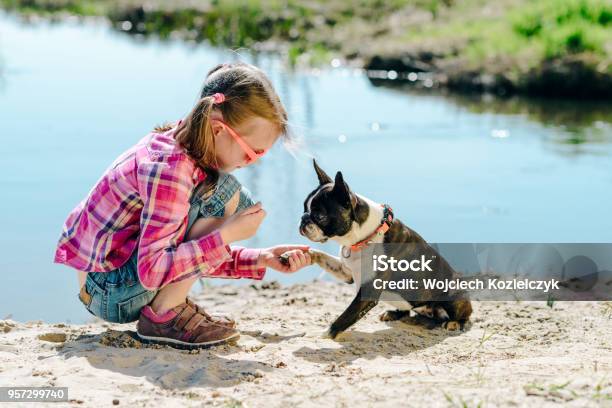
[(195, 134)]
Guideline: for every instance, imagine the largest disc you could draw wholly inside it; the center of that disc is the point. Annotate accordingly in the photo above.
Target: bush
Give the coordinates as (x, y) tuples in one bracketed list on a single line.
[(566, 26)]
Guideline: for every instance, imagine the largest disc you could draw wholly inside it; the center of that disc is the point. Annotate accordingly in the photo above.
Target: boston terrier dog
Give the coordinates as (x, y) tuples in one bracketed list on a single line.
[(333, 211)]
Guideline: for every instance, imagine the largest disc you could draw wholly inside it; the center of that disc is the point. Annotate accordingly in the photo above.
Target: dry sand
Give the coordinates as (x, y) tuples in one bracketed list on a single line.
[(514, 354)]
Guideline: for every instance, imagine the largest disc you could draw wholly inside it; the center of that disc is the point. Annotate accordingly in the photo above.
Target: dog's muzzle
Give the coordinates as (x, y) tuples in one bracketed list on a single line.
[(304, 222), (311, 230)]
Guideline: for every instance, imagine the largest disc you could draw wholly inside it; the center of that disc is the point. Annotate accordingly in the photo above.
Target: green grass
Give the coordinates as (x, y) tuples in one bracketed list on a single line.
[(509, 38), (528, 33), (566, 27), (76, 7), (526, 30)]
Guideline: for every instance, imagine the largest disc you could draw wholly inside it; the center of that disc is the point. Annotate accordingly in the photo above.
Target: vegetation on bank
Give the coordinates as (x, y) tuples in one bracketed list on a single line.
[(548, 47)]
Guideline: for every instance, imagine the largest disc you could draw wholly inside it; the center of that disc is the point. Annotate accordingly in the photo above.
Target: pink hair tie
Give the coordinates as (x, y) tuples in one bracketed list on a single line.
[(219, 98)]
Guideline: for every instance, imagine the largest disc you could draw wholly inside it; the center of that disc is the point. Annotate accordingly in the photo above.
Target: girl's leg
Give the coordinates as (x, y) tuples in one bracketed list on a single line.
[(174, 294), (82, 276)]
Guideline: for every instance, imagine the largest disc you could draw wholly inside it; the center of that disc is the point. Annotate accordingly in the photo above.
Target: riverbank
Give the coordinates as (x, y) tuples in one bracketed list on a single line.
[(556, 48), (514, 354)]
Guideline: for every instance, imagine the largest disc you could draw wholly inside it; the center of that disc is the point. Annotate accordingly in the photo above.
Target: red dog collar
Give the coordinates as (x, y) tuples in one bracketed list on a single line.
[(384, 226)]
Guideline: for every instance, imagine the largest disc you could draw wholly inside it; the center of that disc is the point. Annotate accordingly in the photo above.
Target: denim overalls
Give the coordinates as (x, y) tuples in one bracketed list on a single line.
[(118, 296)]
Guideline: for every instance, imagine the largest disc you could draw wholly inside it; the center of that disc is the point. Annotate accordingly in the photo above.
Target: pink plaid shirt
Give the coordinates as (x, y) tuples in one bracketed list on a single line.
[(142, 201)]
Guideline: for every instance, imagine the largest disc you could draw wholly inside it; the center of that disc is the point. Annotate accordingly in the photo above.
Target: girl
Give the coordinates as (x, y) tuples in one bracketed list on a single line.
[(165, 212)]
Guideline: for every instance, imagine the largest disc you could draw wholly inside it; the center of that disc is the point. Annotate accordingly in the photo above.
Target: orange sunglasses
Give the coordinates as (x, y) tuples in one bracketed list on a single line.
[(253, 155)]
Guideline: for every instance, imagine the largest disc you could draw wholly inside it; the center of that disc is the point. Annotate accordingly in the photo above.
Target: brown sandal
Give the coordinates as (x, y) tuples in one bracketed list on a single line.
[(213, 317), (188, 329)]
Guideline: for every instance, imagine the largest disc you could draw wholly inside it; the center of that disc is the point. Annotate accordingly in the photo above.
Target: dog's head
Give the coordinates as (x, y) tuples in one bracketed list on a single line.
[(329, 210)]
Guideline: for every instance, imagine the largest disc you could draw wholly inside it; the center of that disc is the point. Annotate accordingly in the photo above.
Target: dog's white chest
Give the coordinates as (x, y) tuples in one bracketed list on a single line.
[(353, 261)]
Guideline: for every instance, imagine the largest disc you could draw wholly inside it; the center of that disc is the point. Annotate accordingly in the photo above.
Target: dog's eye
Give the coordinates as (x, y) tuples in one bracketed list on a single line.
[(320, 218)]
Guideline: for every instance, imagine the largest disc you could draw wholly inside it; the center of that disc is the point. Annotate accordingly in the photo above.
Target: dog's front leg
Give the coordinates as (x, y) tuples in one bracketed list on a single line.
[(355, 311), (332, 265)]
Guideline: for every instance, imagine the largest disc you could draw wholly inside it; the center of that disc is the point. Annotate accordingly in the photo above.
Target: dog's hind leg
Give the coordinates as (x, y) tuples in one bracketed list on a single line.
[(425, 310), (432, 316), (460, 311), (332, 265), (393, 315), (420, 320), (452, 325)]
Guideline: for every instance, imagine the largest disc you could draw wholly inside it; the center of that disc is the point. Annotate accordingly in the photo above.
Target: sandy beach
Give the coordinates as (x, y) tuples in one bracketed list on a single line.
[(514, 354)]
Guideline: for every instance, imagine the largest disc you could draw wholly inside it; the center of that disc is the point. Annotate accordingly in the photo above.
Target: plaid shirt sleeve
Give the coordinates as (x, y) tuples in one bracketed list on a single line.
[(242, 265), (165, 188)]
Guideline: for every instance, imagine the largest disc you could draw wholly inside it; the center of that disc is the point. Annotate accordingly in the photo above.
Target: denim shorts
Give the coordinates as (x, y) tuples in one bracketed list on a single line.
[(117, 296)]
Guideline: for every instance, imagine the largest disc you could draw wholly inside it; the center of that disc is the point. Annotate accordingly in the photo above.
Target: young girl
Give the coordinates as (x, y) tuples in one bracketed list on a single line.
[(164, 213)]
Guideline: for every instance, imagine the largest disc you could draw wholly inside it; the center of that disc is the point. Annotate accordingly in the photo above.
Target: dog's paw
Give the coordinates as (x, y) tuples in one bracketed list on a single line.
[(386, 316), (426, 311), (330, 334), (316, 256), (451, 325), (284, 259), (392, 315), (441, 314)]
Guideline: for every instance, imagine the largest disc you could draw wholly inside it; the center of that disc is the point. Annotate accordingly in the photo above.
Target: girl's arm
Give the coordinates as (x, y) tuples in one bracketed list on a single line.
[(165, 188), (244, 262)]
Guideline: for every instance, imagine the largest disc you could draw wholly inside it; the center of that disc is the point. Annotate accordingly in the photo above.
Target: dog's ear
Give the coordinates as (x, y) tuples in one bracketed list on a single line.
[(323, 177), (341, 190)]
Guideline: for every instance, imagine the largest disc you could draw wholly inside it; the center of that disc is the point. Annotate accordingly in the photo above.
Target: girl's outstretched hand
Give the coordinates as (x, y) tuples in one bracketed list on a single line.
[(296, 255), (242, 225)]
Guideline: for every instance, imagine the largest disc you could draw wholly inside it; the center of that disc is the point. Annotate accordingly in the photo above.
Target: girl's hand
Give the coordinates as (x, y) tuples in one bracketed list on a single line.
[(297, 255), (242, 225)]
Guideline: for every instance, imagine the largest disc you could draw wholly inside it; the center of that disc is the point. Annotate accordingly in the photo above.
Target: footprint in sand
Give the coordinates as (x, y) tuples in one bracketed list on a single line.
[(128, 361), (53, 337), (175, 378)]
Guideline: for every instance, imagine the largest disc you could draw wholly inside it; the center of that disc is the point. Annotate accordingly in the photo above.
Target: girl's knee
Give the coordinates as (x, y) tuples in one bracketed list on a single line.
[(209, 212), (232, 204), (239, 201)]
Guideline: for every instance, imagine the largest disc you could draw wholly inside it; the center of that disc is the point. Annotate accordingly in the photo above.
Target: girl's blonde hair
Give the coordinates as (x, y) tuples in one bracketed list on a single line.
[(248, 92)]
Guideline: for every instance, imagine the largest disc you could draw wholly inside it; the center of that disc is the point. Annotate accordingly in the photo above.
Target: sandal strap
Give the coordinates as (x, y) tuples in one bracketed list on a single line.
[(198, 309), (183, 317), (194, 322)]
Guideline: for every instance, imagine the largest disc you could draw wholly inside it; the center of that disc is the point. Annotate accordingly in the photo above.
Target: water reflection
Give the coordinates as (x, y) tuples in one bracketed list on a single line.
[(573, 122)]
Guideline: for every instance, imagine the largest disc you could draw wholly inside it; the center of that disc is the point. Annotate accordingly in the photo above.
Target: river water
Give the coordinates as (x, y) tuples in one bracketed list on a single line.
[(74, 95)]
